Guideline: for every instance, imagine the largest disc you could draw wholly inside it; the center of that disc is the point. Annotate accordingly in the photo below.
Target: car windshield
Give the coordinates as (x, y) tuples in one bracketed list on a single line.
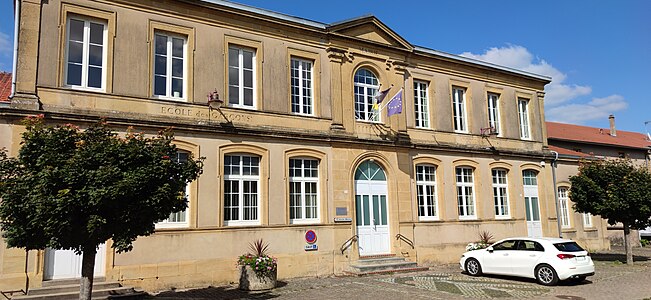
[(568, 247)]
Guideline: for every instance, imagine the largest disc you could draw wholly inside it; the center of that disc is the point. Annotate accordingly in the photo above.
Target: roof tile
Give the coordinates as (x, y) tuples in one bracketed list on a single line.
[(594, 135)]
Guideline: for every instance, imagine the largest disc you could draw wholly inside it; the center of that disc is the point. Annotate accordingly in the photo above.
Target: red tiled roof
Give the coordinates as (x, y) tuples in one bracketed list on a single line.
[(564, 151), (594, 135), (5, 86)]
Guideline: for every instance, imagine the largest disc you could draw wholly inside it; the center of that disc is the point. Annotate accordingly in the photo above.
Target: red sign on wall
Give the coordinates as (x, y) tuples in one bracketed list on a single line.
[(310, 236)]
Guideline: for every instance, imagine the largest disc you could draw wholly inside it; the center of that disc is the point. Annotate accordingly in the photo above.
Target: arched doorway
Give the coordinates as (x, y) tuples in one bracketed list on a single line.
[(531, 203), (371, 209)]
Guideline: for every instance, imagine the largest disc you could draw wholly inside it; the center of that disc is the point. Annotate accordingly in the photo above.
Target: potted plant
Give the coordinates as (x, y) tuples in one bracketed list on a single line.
[(485, 240), (258, 270)]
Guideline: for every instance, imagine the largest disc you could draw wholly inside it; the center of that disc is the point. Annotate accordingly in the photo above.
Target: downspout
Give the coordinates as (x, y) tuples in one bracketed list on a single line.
[(558, 213), (15, 62)]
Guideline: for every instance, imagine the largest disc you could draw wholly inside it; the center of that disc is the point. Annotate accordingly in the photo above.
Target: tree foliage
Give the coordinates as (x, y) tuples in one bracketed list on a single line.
[(616, 190), (75, 189)]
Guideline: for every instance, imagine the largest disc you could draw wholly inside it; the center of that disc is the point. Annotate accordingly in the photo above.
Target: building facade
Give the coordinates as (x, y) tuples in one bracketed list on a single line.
[(298, 143), (575, 143)]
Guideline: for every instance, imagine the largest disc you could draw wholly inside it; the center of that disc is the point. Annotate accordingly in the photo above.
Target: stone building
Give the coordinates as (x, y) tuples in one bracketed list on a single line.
[(574, 143), (297, 145)]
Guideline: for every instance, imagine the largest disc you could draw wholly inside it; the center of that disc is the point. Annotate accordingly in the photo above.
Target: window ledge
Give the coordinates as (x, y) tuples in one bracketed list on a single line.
[(430, 219)]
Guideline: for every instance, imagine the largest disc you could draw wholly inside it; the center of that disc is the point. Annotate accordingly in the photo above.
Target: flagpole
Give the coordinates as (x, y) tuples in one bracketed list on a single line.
[(384, 106)]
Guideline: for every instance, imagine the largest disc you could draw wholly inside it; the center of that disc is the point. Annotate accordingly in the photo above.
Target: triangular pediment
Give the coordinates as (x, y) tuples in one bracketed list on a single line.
[(371, 29)]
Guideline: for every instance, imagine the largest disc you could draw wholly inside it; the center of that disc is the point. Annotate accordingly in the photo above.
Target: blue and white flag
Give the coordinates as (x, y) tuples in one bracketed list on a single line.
[(395, 104)]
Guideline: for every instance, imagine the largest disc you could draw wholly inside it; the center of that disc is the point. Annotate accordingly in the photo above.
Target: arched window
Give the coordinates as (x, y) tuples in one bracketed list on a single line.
[(366, 87), (241, 189), (426, 192), (500, 193), (303, 189), (369, 170), (178, 219), (465, 194), (563, 201)]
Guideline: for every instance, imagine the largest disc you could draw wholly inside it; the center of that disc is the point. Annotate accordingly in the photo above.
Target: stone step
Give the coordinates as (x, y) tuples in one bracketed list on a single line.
[(109, 293), (402, 270), (376, 261), (57, 289), (383, 266), (70, 281)]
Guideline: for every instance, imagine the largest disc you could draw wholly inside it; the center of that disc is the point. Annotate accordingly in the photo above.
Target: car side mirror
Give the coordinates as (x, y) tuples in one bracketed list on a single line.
[(489, 249)]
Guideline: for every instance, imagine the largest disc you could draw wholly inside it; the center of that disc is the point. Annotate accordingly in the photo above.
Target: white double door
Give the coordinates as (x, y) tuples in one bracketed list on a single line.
[(62, 264), (532, 206), (372, 217)]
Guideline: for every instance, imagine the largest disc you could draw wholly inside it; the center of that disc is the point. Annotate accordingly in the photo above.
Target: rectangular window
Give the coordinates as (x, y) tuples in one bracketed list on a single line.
[(459, 109), (241, 77), (178, 219), (426, 192), (301, 86), (500, 194), (465, 196), (170, 66), (587, 220), (563, 201), (241, 190), (86, 53), (494, 112), (303, 190), (523, 113), (421, 101)]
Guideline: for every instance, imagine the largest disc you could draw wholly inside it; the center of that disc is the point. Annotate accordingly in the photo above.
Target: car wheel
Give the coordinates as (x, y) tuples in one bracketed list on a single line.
[(546, 275), (473, 267)]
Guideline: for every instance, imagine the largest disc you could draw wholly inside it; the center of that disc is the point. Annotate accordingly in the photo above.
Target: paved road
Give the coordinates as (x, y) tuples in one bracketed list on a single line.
[(613, 280)]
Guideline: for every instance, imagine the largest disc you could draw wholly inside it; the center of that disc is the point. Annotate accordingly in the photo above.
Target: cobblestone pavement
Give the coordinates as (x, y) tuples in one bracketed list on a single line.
[(613, 280)]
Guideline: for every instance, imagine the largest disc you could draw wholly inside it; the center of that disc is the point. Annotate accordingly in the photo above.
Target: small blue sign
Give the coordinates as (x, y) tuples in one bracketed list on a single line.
[(311, 247)]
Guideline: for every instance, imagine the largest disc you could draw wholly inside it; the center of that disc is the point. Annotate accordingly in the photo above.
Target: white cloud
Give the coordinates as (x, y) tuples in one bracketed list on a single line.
[(597, 109), (560, 97), (5, 44)]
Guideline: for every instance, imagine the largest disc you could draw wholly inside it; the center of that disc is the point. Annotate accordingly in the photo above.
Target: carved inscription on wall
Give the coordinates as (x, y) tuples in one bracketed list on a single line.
[(208, 115)]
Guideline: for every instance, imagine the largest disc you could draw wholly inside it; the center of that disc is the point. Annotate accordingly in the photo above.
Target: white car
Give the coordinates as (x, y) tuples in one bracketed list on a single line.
[(548, 260)]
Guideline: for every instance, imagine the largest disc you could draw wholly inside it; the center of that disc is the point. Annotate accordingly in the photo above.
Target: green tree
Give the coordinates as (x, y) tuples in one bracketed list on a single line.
[(617, 191), (75, 189)]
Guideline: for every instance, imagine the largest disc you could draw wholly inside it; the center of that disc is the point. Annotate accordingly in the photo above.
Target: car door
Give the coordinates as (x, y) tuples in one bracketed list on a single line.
[(498, 260), (526, 258)]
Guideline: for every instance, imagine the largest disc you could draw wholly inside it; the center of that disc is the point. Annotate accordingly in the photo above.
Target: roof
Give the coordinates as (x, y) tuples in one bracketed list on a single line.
[(594, 135), (5, 86), (327, 27), (567, 152)]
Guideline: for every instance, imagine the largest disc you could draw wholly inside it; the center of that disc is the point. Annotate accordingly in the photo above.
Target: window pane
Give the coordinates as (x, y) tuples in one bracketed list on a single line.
[(367, 214), (233, 76), (74, 74), (177, 88), (96, 33), (95, 57), (161, 44), (75, 52), (94, 77), (76, 30), (177, 67), (177, 47), (160, 65), (383, 209), (248, 78), (248, 97), (248, 59), (233, 95), (160, 86), (358, 210), (233, 57)]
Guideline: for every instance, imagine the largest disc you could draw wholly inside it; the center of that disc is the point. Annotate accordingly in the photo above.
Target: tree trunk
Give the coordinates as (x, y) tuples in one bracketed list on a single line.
[(628, 245), (87, 273)]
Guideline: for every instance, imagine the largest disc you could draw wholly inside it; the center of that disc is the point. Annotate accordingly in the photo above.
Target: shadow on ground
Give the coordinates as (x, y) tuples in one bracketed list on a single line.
[(223, 292), (568, 282), (616, 257)]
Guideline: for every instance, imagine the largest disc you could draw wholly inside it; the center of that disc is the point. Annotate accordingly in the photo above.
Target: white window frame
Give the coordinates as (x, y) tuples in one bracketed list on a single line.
[(240, 178), (421, 104), (168, 223), (169, 59), (463, 198), (587, 220), (304, 66), (523, 115), (459, 110), (86, 52), (303, 180), (422, 192), (501, 193), (494, 112), (240, 80), (563, 203), (369, 92)]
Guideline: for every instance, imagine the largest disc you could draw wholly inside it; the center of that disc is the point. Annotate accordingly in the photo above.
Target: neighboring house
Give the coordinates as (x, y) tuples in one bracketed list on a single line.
[(297, 144), (5, 86), (574, 143)]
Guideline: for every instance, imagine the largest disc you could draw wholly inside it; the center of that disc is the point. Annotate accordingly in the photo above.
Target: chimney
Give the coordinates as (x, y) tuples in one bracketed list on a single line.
[(613, 131)]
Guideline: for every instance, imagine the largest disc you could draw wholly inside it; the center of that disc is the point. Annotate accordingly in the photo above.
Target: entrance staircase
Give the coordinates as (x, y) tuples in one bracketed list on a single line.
[(68, 289), (383, 264)]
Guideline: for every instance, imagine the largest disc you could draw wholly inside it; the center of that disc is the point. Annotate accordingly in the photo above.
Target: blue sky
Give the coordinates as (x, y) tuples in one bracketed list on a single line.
[(597, 52)]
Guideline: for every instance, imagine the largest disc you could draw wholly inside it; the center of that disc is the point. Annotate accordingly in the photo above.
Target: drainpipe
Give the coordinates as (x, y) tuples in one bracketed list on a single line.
[(15, 62), (558, 213)]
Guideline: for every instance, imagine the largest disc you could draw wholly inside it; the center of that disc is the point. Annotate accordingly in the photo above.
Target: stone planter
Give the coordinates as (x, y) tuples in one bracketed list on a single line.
[(250, 281)]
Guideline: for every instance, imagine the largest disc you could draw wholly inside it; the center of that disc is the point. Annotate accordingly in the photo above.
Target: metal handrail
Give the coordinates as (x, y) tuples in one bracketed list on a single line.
[(349, 242), (405, 239)]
